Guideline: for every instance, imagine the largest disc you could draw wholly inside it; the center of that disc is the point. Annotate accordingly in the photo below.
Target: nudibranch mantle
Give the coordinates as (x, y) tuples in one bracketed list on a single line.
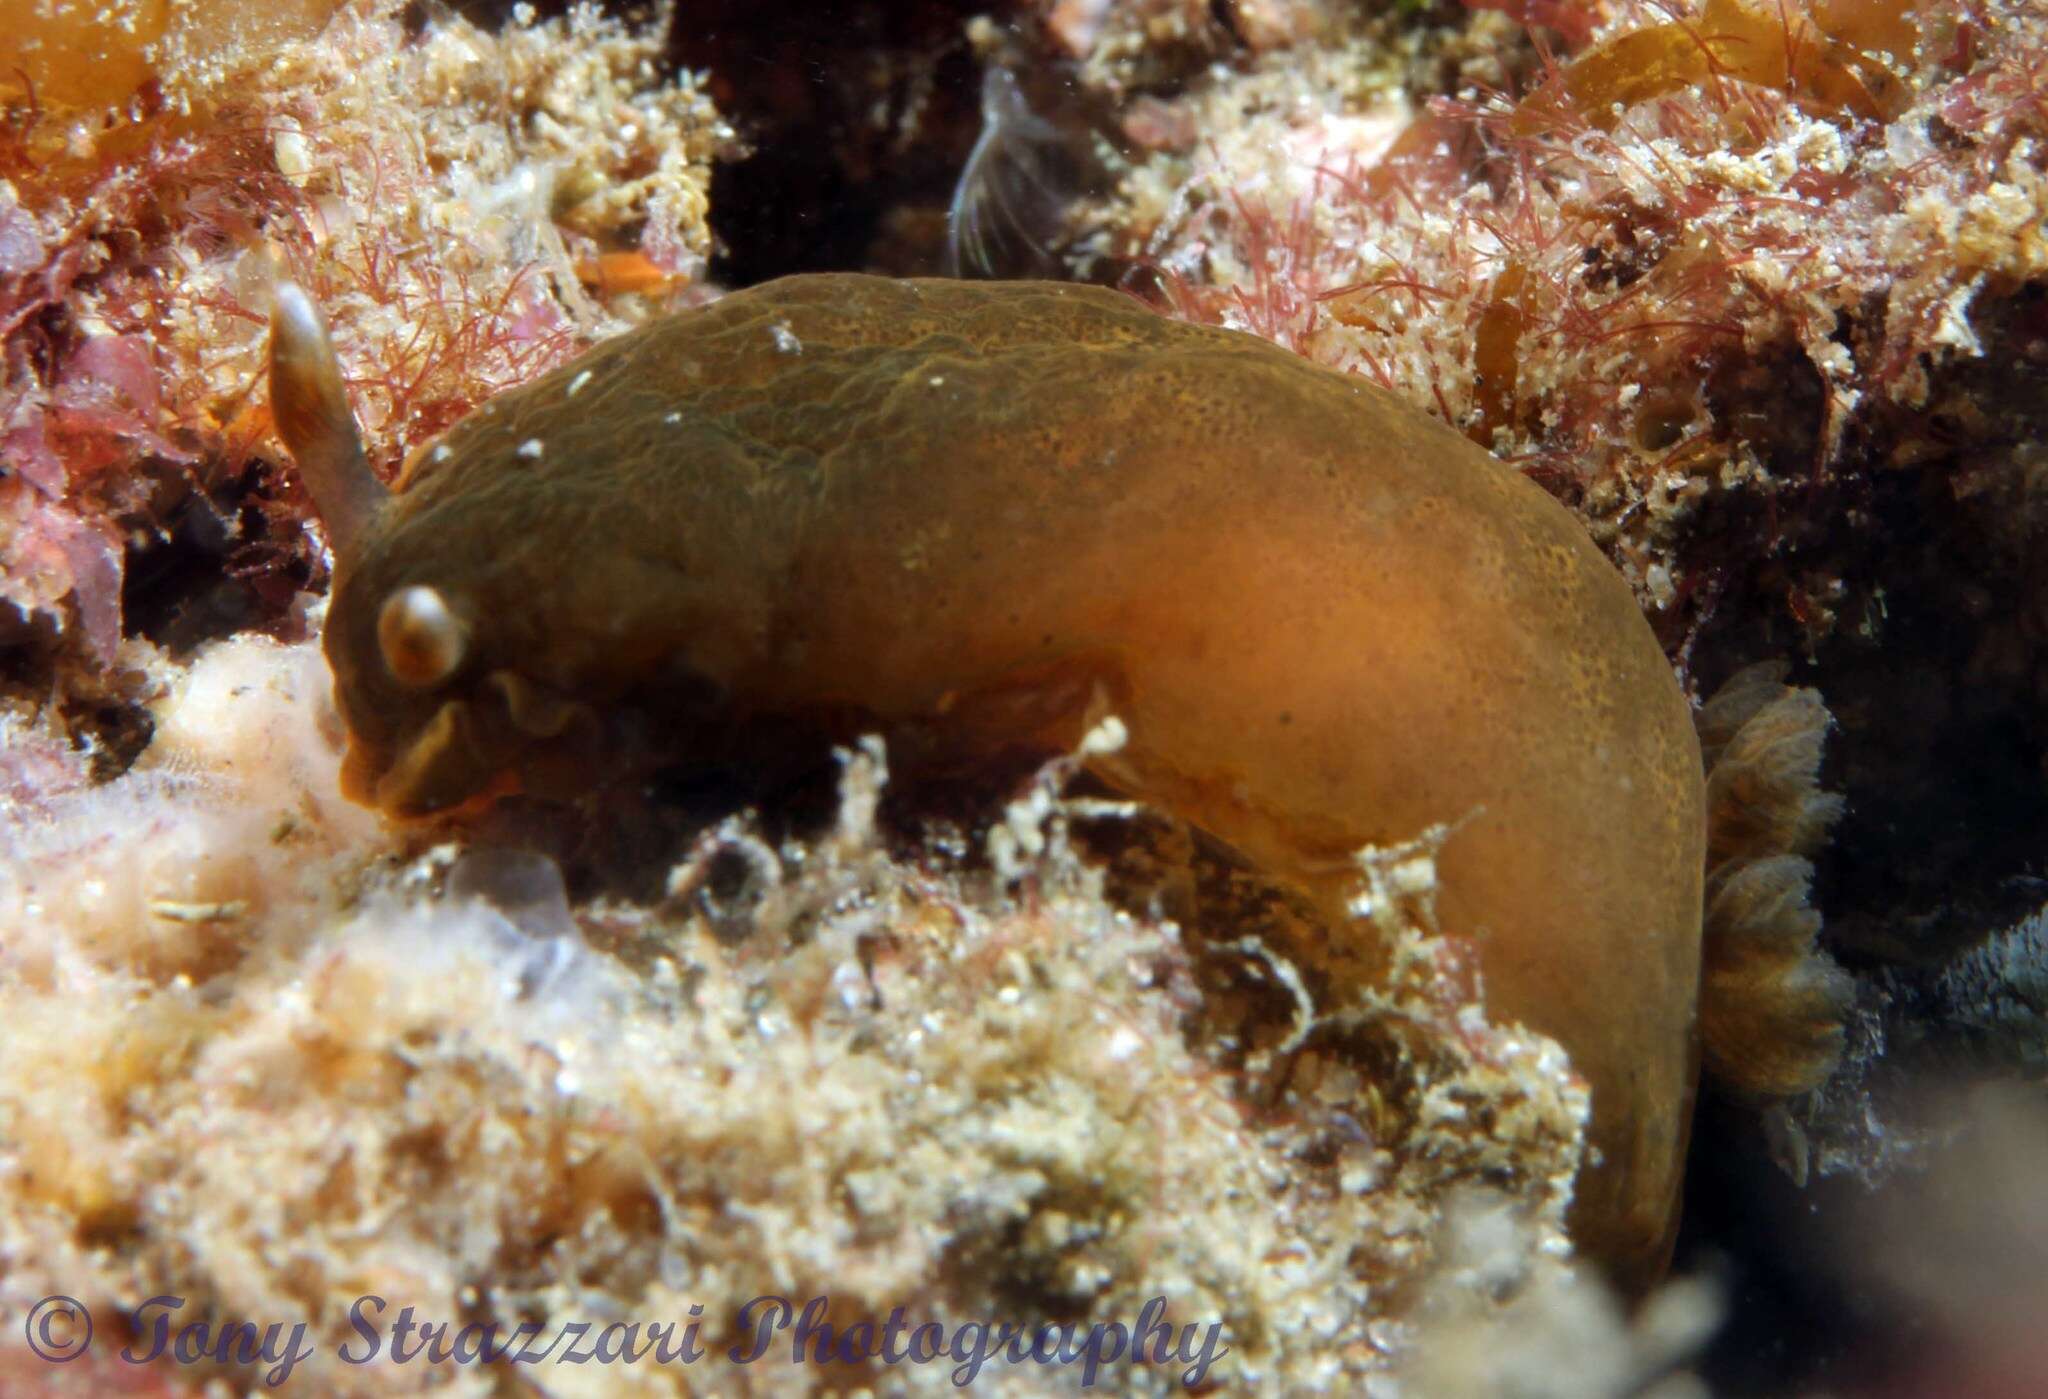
[(992, 512)]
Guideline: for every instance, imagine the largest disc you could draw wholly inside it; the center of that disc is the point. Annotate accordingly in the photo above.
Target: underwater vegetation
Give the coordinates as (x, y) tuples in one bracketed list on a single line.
[(1691, 288), (457, 252)]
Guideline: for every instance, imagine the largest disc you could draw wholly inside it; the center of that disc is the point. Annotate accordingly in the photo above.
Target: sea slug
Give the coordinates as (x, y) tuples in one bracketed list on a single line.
[(984, 514)]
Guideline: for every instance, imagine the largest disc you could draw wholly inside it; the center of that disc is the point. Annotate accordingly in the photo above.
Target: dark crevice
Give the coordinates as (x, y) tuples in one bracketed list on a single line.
[(858, 118)]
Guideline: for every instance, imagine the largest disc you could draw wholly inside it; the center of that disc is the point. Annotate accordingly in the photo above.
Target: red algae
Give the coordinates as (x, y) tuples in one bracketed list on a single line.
[(142, 214)]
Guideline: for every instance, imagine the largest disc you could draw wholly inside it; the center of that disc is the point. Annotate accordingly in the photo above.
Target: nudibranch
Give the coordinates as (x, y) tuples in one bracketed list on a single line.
[(988, 513)]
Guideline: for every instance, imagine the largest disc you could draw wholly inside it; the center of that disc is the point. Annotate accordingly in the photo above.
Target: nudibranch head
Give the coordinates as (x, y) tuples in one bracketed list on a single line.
[(423, 631), (421, 639), (463, 670), (419, 740)]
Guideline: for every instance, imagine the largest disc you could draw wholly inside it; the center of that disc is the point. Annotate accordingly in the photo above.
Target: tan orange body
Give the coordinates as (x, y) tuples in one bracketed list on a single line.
[(1326, 619)]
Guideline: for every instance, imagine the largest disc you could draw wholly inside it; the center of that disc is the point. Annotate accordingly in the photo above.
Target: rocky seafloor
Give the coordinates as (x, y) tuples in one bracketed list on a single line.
[(1757, 289)]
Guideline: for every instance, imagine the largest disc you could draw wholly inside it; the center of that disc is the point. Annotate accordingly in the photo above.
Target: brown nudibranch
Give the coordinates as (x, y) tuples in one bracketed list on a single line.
[(992, 512)]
